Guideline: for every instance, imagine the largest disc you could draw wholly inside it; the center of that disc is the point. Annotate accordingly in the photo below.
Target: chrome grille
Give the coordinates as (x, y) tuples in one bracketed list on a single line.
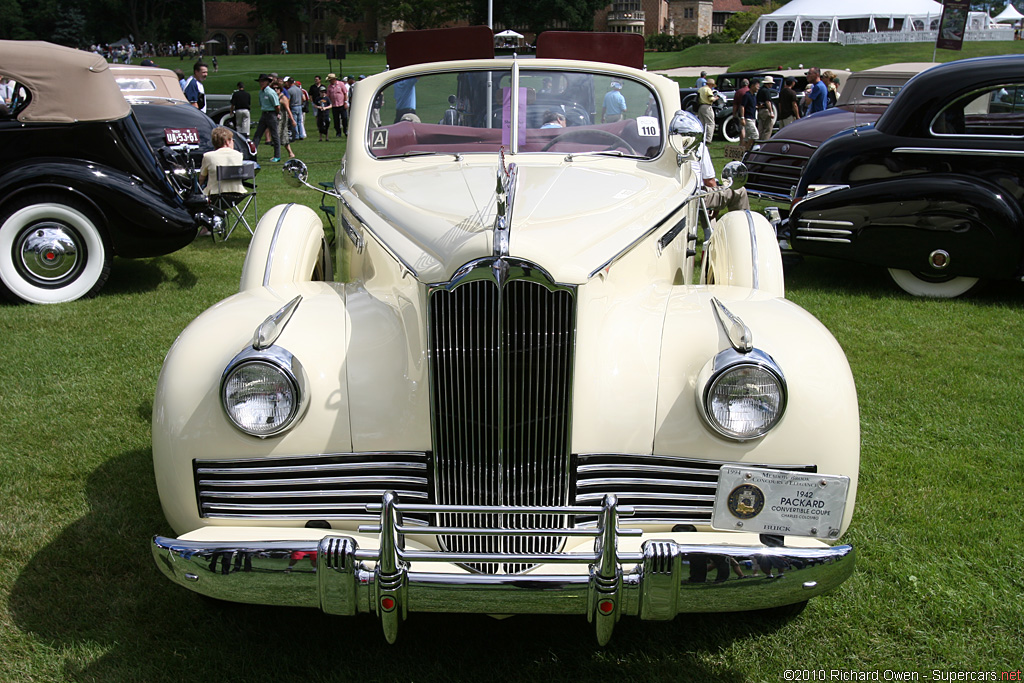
[(501, 372), (661, 489), (311, 487), (772, 170)]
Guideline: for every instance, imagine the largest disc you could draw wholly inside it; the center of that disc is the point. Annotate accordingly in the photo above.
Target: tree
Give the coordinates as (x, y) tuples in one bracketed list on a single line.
[(738, 23), (539, 15), (70, 29), (13, 25), (420, 14)]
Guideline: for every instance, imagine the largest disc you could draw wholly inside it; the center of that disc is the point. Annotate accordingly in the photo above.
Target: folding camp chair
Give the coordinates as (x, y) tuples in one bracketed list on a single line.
[(235, 204)]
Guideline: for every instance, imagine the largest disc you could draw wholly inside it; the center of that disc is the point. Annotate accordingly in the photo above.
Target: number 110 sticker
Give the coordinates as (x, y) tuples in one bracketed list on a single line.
[(648, 126)]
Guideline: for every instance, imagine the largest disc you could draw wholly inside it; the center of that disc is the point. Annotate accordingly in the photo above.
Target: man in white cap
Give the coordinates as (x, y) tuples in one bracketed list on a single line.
[(614, 106)]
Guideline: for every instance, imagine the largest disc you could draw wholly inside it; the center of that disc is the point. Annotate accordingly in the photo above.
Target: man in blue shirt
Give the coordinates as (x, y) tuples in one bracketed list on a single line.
[(194, 91), (271, 107), (614, 104), (819, 92), (405, 97)]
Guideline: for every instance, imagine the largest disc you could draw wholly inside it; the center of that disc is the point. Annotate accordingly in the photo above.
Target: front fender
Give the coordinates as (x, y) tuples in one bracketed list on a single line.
[(744, 252), (188, 420), (898, 223), (284, 248)]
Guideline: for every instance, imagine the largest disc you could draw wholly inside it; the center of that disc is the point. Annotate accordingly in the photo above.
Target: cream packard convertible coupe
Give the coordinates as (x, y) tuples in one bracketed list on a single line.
[(523, 392)]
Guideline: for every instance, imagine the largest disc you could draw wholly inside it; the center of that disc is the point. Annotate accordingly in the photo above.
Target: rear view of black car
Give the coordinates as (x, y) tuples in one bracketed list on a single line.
[(79, 182)]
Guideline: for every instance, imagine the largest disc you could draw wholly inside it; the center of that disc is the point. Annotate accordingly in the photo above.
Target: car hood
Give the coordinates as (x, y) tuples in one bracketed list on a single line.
[(570, 218), (819, 127)]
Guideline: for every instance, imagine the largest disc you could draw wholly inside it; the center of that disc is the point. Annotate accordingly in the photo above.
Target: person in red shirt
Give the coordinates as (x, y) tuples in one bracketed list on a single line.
[(337, 93)]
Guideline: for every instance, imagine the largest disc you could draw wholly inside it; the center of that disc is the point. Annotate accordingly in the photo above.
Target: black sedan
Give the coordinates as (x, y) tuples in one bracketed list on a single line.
[(934, 190)]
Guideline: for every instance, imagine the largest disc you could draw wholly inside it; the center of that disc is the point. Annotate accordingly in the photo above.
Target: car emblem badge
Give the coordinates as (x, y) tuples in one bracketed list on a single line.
[(785, 149), (746, 501)]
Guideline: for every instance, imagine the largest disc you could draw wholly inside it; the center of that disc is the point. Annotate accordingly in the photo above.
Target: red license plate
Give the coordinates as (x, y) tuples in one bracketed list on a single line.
[(181, 136)]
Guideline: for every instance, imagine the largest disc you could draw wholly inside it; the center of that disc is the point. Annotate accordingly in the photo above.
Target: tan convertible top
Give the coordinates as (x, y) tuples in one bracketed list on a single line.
[(142, 82), (65, 85)]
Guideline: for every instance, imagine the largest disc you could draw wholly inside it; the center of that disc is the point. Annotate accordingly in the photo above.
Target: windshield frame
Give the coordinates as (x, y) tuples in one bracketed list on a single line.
[(514, 141)]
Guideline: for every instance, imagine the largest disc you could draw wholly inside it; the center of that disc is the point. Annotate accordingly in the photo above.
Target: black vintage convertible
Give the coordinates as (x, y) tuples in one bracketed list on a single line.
[(934, 190), (79, 183)]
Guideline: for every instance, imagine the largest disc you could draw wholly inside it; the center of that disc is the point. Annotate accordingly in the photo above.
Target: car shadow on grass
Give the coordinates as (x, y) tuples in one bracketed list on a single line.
[(134, 276), (817, 275), (96, 589)]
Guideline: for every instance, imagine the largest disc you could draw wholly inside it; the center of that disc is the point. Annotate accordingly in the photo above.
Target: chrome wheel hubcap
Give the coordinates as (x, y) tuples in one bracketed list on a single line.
[(49, 253)]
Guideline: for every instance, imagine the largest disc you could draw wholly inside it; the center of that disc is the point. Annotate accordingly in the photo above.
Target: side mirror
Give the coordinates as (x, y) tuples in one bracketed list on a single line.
[(734, 175), (295, 172), (685, 131)]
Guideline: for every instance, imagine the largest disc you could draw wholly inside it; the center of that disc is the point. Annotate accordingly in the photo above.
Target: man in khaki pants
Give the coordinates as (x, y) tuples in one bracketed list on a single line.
[(706, 98)]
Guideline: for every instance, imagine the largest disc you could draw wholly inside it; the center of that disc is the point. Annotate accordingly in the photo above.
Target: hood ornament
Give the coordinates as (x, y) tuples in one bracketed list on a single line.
[(506, 195)]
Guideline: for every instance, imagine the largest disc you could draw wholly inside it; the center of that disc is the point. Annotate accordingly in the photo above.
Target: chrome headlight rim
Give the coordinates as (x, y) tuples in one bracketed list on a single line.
[(725, 363), (282, 361)]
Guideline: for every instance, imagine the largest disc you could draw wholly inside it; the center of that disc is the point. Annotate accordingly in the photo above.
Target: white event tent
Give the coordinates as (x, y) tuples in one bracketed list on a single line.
[(1009, 14), (824, 20)]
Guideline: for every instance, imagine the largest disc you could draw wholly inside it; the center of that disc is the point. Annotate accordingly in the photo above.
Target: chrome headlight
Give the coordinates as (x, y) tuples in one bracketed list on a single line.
[(742, 396), (263, 392)]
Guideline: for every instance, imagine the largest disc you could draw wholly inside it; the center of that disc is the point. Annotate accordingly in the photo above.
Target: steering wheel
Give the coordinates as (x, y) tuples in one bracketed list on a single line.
[(583, 133)]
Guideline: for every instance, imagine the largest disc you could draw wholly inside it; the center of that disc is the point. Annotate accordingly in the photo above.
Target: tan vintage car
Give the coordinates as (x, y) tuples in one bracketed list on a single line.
[(522, 392)]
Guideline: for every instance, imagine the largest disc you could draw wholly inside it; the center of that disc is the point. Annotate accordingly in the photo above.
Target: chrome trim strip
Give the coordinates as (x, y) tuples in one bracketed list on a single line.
[(836, 240), (353, 237), (364, 479), (657, 226), (651, 495), (366, 227), (824, 231), (273, 244), (671, 235), (287, 458), (337, 467), (965, 152), (822, 221), (753, 250)]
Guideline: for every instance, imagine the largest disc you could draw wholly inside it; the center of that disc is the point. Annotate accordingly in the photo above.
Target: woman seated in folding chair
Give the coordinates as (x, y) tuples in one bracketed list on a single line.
[(222, 171)]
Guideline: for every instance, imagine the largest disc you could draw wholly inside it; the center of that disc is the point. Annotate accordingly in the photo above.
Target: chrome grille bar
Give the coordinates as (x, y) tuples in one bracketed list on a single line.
[(334, 486), (661, 489), (501, 369)]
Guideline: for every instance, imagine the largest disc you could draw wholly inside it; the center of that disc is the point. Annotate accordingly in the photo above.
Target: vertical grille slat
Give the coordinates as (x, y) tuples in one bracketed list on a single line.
[(504, 388)]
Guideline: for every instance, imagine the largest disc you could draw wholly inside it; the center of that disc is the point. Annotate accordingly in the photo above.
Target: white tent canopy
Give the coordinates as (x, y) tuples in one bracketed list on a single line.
[(826, 20), (1008, 14), (508, 34)]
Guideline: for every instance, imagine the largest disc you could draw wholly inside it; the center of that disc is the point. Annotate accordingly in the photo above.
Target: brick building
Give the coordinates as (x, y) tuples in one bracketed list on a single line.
[(674, 17)]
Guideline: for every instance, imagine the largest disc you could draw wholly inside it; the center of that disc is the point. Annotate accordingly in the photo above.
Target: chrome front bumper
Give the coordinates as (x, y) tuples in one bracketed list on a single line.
[(661, 579)]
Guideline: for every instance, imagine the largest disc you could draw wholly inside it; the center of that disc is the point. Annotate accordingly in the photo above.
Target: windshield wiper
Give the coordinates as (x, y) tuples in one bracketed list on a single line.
[(605, 153), (411, 153)]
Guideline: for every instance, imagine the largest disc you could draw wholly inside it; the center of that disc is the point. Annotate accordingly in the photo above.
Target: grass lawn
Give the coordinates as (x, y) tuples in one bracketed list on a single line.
[(940, 578)]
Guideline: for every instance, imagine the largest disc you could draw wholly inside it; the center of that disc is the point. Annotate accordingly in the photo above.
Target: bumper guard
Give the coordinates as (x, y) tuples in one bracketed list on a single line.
[(664, 579)]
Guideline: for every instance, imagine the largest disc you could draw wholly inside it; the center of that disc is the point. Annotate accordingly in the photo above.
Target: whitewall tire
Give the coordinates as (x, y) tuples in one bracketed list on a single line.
[(730, 128), (51, 250), (935, 288)]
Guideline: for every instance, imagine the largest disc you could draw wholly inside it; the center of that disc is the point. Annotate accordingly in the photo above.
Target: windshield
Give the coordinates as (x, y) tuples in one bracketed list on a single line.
[(555, 111)]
